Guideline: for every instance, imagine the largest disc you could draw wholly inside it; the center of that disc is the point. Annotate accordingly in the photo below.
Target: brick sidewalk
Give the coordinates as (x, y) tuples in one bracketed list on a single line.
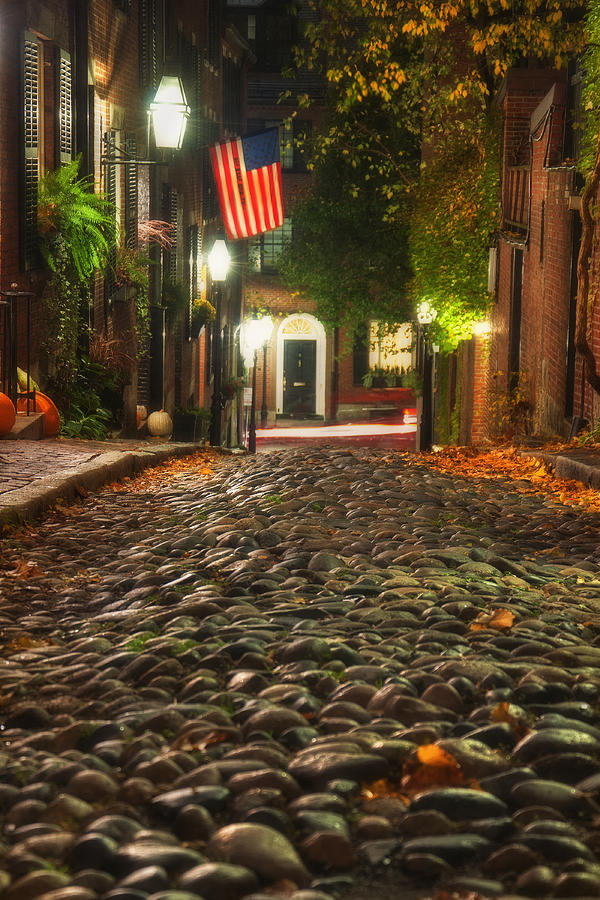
[(23, 463), (35, 474)]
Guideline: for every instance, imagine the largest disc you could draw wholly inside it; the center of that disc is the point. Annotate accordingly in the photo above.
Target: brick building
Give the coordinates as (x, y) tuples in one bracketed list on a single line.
[(77, 78), (521, 376)]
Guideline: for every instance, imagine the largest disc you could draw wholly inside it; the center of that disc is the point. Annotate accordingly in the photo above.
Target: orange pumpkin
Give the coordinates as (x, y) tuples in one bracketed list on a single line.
[(43, 404), (7, 414)]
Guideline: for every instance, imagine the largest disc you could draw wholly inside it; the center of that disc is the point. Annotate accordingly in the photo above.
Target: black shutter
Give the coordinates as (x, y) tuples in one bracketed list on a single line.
[(150, 42), (64, 130), (31, 148), (131, 192), (110, 189), (169, 214)]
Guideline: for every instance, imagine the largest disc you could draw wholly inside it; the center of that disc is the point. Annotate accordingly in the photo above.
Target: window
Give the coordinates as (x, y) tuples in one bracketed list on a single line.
[(390, 349), (377, 348), (265, 249), (251, 28)]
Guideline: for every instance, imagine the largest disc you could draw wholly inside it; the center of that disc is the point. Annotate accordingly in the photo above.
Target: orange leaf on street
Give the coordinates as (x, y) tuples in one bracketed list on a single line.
[(431, 767), (500, 618)]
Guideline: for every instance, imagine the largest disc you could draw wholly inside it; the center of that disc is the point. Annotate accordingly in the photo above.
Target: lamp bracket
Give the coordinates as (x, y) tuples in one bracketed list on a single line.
[(116, 156)]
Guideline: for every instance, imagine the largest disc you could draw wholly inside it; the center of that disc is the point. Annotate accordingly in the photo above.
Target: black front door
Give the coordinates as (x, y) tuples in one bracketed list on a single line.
[(299, 378)]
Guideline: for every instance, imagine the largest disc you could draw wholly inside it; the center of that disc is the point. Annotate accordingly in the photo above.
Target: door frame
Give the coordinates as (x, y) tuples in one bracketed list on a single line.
[(298, 327)]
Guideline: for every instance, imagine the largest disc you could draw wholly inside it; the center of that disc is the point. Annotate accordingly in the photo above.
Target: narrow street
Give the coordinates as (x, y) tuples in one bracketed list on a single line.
[(313, 673)]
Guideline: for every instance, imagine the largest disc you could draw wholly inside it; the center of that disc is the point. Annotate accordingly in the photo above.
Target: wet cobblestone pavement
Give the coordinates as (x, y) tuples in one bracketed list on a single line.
[(312, 673)]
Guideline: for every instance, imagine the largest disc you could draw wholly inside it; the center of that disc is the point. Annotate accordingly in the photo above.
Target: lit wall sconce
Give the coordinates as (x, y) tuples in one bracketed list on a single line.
[(481, 328), (169, 112), (168, 115)]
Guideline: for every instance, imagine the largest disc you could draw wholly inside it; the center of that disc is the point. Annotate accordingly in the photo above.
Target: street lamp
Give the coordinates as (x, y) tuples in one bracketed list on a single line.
[(255, 333), (218, 264), (168, 114), (426, 315)]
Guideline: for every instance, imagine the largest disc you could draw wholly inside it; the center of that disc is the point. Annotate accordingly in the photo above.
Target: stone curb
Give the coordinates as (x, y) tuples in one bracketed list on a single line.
[(568, 468), (27, 503)]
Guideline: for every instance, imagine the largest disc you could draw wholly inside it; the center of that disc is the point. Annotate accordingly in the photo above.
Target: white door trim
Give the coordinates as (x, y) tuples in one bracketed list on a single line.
[(298, 327)]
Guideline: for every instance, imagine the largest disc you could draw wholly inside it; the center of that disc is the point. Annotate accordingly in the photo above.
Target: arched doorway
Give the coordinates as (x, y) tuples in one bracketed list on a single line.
[(301, 348)]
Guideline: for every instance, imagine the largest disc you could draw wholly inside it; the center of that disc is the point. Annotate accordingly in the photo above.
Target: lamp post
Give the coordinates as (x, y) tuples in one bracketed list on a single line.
[(254, 333), (263, 408), (218, 264), (426, 315)]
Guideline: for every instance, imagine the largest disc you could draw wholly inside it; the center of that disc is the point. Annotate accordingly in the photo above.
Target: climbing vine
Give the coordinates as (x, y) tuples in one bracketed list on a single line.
[(455, 216), (77, 231)]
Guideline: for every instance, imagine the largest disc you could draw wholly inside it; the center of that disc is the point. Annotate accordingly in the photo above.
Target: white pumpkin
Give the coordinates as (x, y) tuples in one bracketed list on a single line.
[(142, 412), (160, 423)]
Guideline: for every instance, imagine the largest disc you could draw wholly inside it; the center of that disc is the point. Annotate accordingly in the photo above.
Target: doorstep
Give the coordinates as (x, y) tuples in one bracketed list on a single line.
[(26, 428)]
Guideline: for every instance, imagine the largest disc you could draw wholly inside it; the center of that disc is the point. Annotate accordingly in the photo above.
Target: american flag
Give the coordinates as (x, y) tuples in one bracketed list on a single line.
[(248, 175)]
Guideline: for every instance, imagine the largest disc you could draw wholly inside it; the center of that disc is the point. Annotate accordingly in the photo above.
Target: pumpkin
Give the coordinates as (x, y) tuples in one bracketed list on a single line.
[(43, 404), (160, 423), (7, 414)]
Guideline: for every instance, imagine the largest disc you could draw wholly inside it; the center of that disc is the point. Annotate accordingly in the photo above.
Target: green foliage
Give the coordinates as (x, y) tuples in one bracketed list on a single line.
[(348, 252), (95, 401), (132, 270), (590, 99), (454, 220), (82, 221), (447, 426), (91, 425), (77, 232), (430, 69), (175, 298)]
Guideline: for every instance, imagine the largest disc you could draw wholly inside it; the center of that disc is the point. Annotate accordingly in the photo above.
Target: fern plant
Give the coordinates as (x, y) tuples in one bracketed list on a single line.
[(69, 210), (78, 231)]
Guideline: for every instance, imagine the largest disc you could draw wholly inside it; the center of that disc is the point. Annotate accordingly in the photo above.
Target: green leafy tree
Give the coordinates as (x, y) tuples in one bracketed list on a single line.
[(433, 66), (349, 251)]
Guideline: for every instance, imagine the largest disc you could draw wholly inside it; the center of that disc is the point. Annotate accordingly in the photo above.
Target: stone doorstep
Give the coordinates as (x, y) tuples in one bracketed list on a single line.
[(27, 428)]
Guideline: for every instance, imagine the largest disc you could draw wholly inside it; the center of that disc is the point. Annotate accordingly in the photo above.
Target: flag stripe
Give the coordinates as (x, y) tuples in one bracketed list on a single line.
[(218, 162), (233, 190), (257, 201), (251, 198), (248, 206)]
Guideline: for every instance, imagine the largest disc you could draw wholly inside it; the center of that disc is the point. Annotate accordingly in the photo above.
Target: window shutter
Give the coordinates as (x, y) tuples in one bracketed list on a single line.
[(150, 42), (131, 192), (169, 214), (110, 190), (65, 108), (31, 165)]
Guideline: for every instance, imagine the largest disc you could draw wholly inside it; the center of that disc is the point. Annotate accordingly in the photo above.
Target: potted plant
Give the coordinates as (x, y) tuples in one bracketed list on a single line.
[(175, 299), (203, 312), (232, 387), (190, 424)]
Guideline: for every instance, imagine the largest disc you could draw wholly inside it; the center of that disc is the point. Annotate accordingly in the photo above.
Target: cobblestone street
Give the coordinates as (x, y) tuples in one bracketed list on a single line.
[(314, 673)]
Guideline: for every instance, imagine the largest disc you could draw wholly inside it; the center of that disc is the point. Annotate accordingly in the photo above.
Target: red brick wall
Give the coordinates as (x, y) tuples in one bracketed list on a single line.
[(546, 246)]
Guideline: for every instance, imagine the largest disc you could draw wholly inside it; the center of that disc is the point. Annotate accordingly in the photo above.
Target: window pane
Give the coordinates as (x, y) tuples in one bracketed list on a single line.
[(388, 349)]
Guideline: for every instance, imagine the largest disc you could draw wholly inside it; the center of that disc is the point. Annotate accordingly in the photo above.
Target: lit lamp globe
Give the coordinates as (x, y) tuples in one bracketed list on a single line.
[(426, 313), (218, 260), (255, 333), (170, 113)]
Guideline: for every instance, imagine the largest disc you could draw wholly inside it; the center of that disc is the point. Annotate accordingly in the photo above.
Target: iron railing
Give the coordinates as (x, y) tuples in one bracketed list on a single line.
[(15, 318)]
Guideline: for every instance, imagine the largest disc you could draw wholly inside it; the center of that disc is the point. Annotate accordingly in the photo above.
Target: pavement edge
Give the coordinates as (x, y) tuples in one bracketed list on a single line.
[(29, 502)]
